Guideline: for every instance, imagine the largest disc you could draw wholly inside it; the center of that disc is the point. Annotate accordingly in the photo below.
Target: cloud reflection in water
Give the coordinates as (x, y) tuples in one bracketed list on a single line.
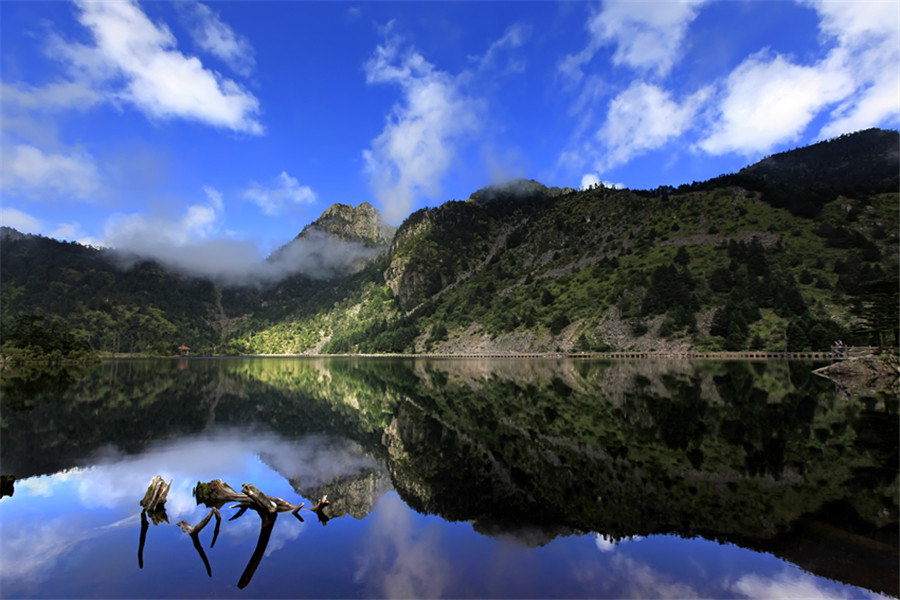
[(399, 559), (50, 515)]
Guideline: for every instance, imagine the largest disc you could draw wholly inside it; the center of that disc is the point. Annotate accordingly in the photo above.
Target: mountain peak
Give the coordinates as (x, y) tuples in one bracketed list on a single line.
[(360, 224)]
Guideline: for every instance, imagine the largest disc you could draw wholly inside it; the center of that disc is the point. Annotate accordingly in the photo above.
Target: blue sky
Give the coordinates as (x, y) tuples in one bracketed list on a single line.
[(222, 128)]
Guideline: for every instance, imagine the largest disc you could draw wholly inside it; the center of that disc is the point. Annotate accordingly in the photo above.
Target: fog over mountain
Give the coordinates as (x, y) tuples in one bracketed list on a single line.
[(341, 241), (318, 255)]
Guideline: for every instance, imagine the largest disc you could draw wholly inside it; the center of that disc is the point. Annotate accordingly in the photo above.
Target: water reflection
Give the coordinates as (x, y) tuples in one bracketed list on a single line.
[(400, 560), (113, 484), (533, 454)]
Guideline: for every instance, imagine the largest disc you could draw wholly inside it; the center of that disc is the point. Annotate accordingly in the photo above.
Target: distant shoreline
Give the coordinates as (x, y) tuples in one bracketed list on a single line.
[(685, 355)]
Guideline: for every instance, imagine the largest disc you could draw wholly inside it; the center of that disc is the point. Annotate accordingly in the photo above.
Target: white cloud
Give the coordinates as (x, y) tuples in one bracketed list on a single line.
[(137, 62), (50, 97), (25, 223), (73, 232), (769, 101), (858, 23), (641, 118), (30, 172), (606, 543), (168, 238), (194, 242), (868, 53), (591, 179), (419, 142), (220, 40), (648, 36), (285, 192), (397, 561), (514, 37), (786, 585)]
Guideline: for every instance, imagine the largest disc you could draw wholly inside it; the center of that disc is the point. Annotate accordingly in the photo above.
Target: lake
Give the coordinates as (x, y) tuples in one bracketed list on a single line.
[(450, 478)]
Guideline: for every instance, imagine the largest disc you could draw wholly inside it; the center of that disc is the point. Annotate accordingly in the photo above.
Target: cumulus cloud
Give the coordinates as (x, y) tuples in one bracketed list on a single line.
[(31, 172), (419, 142), (286, 191), (868, 54), (644, 117), (135, 60), (220, 40), (648, 36), (768, 101)]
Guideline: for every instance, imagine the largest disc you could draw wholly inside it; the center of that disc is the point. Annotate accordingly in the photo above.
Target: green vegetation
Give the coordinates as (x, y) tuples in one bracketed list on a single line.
[(789, 254), (33, 339)]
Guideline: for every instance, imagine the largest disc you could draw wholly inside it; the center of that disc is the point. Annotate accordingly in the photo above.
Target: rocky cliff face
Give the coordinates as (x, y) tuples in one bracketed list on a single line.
[(361, 224), (341, 241)]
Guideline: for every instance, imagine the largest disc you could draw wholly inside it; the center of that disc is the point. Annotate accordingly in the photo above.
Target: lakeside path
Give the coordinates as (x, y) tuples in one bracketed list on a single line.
[(852, 353)]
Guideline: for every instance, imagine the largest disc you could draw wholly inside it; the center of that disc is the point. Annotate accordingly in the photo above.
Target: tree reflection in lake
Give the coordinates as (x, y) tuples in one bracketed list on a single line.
[(763, 455)]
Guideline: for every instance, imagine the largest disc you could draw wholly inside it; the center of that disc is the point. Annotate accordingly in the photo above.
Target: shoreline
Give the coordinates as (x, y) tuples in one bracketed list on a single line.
[(686, 355)]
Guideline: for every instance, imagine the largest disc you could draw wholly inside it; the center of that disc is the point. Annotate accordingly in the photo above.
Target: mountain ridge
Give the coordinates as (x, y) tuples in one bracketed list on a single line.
[(751, 260)]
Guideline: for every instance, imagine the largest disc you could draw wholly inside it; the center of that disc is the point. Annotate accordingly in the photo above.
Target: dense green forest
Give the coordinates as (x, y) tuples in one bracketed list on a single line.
[(792, 253)]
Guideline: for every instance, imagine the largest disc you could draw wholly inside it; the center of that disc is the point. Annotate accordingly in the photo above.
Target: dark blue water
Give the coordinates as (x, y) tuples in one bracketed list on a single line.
[(414, 510)]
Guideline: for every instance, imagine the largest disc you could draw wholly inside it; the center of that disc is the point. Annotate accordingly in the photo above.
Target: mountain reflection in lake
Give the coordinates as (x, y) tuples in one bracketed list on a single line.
[(462, 478)]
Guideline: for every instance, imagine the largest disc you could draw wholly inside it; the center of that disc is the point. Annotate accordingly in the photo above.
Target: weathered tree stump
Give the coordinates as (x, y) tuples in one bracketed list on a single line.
[(216, 493), (156, 494)]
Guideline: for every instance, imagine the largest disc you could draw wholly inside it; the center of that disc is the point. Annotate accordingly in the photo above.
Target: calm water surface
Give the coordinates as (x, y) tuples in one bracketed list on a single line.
[(454, 478)]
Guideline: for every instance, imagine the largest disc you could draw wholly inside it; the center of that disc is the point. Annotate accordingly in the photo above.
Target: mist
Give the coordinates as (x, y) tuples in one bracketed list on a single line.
[(317, 254)]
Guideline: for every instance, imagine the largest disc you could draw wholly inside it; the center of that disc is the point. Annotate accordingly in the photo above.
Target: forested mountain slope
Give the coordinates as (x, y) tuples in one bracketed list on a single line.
[(793, 252)]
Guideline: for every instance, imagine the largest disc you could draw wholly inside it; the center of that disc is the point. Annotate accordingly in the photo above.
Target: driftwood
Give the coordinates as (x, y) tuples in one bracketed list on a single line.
[(215, 494)]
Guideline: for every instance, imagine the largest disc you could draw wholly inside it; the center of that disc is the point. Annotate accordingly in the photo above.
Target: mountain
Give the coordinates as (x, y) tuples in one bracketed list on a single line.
[(865, 159), (793, 252), (341, 241), (362, 224)]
